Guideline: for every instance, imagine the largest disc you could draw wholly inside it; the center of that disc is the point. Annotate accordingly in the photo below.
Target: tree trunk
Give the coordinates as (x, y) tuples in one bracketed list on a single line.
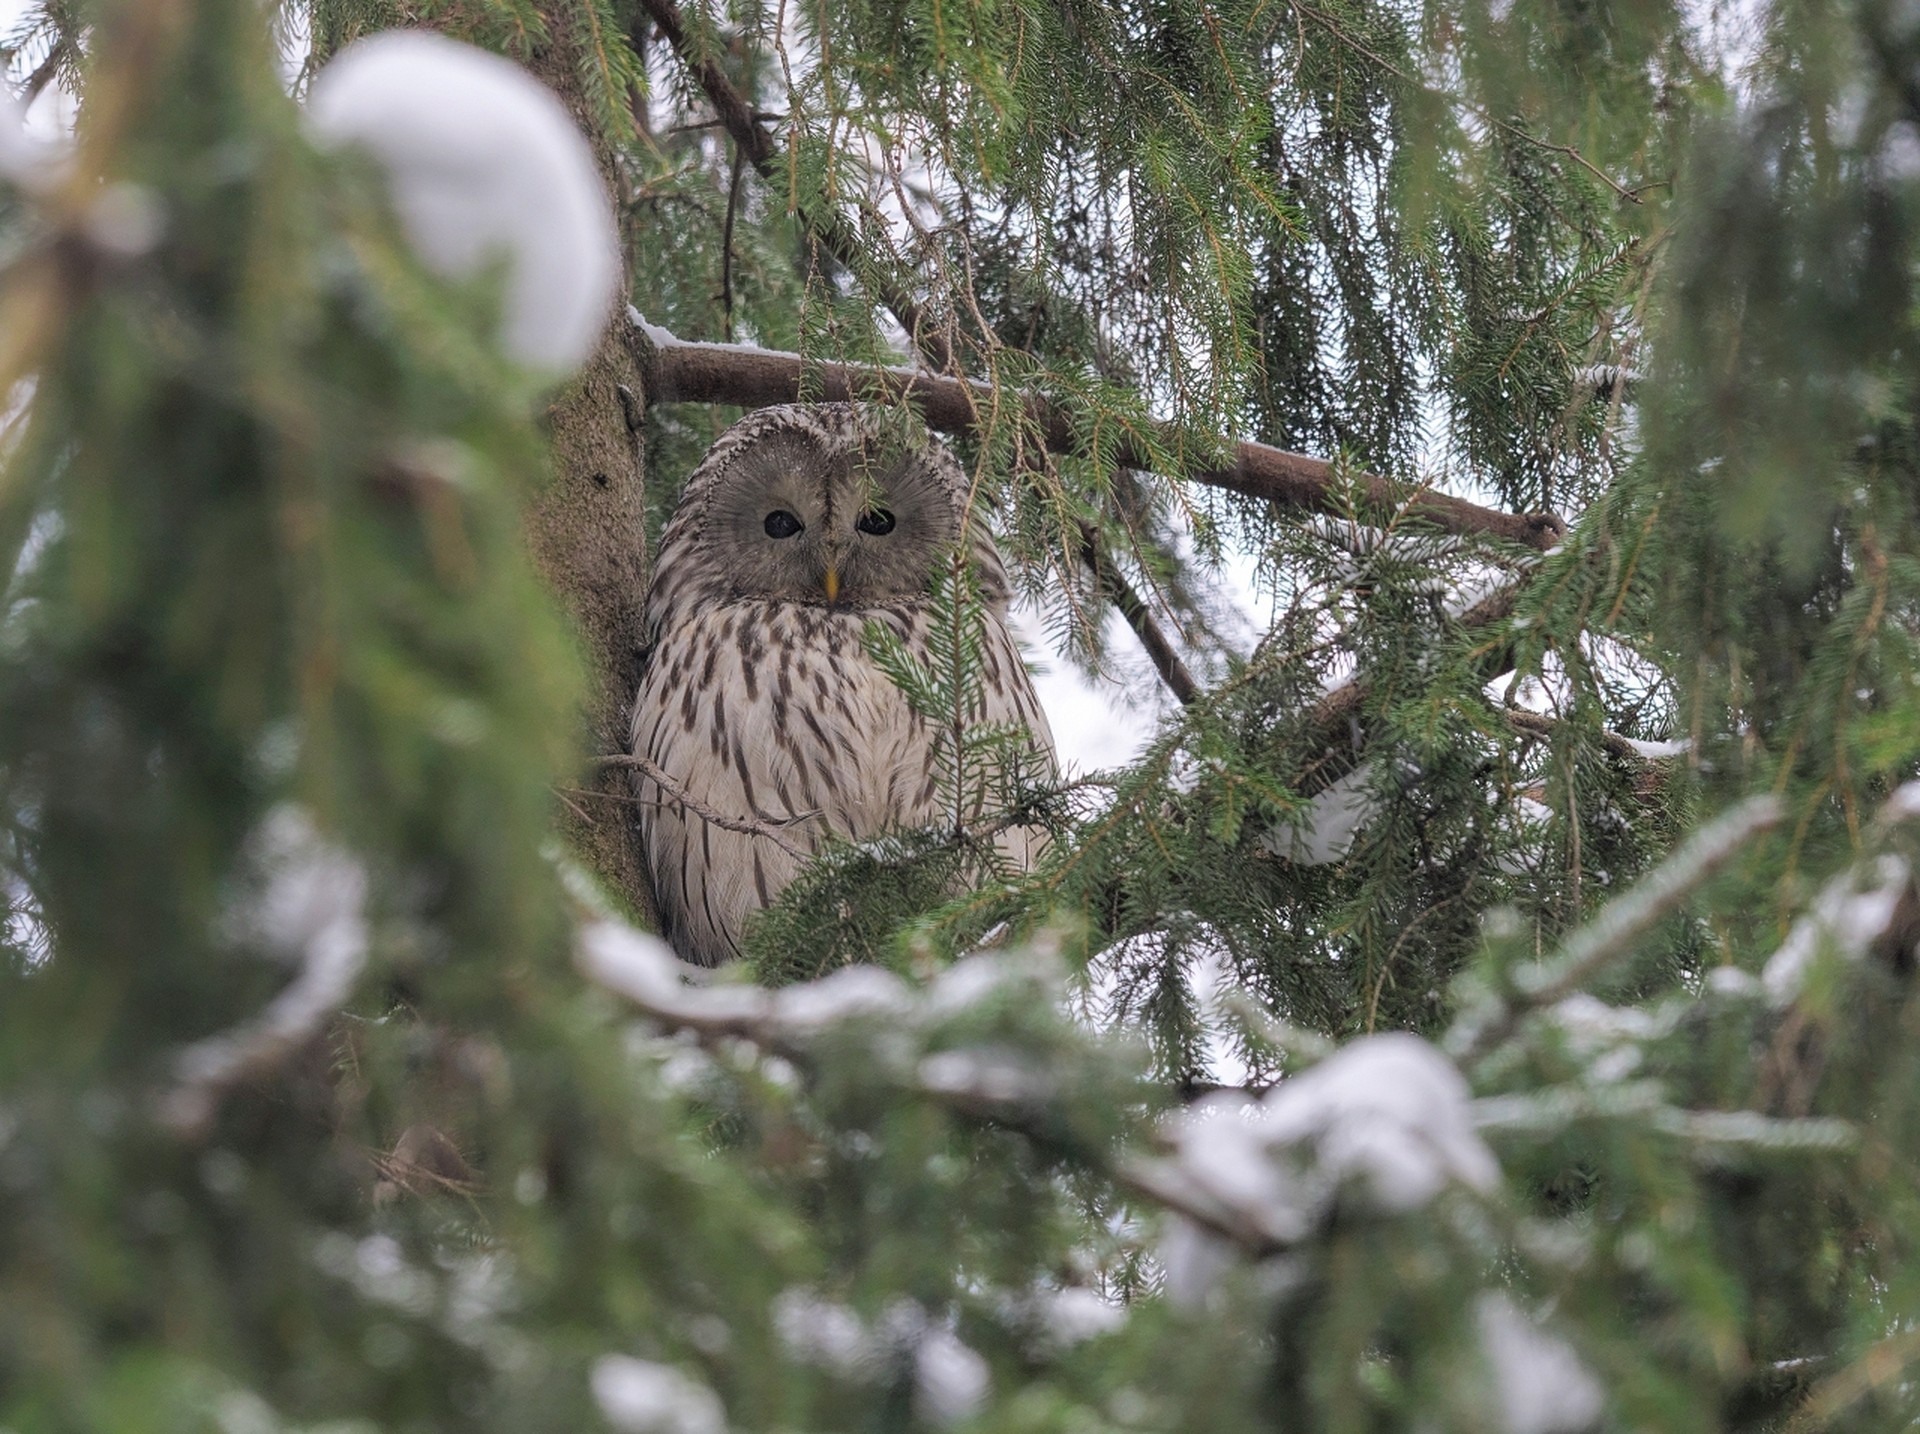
[(587, 533)]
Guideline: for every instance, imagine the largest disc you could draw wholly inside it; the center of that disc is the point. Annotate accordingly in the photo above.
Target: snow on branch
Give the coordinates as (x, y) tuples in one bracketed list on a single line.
[(1385, 1123), (1645, 1104), (1540, 1385), (637, 1396), (1333, 718), (484, 165), (312, 912), (1852, 912), (980, 1083), (643, 969), (1628, 749), (1867, 907), (1487, 1023)]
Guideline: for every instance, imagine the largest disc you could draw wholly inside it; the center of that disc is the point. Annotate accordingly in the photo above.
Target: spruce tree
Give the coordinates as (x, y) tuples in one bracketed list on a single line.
[(1486, 1002)]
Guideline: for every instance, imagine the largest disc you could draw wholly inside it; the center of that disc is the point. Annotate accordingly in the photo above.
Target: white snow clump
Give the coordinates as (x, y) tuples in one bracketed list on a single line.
[(950, 1379), (625, 959), (310, 909), (822, 1333), (640, 1397), (997, 1077), (1661, 751), (1540, 1385), (1731, 983), (1058, 1318), (1844, 921), (1610, 1039), (26, 159), (1387, 1119), (1333, 819), (991, 975), (485, 166), (1903, 805), (1077, 1314), (853, 992)]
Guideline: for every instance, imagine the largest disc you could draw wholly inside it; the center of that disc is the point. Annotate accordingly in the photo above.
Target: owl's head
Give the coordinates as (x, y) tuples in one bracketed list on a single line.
[(817, 504)]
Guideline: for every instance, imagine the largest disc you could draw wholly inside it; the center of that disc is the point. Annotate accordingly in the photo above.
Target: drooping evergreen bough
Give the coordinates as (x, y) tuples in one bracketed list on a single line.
[(1486, 1004)]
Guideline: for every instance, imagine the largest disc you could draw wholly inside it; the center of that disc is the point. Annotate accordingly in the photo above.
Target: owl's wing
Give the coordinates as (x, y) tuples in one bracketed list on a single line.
[(725, 819), (897, 782)]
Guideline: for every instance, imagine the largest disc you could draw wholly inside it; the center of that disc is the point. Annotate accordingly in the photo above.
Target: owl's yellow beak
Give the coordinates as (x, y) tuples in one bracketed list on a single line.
[(831, 582)]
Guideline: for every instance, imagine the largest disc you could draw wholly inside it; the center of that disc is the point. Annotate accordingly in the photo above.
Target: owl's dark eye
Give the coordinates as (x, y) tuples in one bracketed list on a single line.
[(877, 521), (782, 524)]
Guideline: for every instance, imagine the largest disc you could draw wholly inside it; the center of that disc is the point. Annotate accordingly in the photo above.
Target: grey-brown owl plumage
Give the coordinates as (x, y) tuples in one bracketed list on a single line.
[(759, 705)]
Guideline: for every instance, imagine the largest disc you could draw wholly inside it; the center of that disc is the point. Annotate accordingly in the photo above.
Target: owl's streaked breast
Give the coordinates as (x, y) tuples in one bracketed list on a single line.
[(772, 714)]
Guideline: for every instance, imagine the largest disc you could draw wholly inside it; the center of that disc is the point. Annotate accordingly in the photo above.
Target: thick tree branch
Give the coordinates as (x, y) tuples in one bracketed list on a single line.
[(1133, 608), (1536, 724), (43, 75), (683, 372)]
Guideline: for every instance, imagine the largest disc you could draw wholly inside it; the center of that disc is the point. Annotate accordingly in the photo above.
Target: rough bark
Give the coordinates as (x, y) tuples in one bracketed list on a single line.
[(587, 533)]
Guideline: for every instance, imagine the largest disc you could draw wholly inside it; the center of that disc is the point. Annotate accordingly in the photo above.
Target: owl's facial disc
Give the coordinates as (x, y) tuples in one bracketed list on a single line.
[(801, 525)]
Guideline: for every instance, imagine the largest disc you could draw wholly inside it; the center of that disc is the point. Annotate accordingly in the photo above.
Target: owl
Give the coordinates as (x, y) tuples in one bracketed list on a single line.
[(762, 727)]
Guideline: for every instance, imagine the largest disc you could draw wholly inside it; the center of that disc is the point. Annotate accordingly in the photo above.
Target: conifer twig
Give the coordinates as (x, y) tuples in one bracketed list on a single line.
[(1479, 112), (1620, 923), (1335, 716), (742, 122), (680, 796)]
